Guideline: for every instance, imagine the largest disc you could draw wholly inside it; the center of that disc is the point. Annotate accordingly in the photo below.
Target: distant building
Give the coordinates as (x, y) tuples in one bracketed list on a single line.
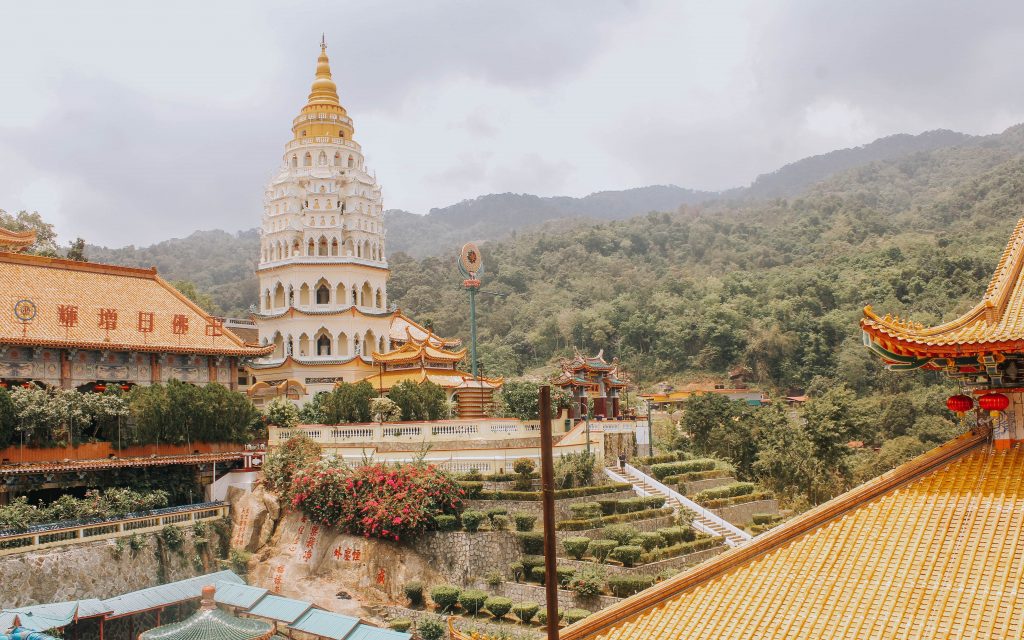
[(592, 380)]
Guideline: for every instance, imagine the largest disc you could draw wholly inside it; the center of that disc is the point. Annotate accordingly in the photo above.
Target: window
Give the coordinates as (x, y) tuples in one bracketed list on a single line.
[(323, 346), (323, 294), (303, 133)]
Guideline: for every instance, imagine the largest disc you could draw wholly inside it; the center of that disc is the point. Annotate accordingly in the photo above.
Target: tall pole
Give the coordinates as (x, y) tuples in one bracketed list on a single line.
[(547, 494), (472, 326)]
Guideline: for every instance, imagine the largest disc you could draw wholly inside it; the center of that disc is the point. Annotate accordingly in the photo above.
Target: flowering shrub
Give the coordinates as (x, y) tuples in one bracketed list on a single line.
[(376, 500)]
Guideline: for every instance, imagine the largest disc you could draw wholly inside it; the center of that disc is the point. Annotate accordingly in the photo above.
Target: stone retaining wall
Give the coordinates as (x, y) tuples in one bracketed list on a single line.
[(653, 568), (519, 591), (462, 556), (743, 514), (650, 524)]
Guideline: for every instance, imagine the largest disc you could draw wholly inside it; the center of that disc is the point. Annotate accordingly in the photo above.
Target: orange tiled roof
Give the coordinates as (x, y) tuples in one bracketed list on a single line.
[(931, 549), (19, 240), (413, 351), (996, 322), (447, 378), (405, 328), (52, 282)]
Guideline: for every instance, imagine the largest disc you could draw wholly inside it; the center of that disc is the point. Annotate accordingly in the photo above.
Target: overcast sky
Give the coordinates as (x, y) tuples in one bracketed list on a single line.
[(133, 122)]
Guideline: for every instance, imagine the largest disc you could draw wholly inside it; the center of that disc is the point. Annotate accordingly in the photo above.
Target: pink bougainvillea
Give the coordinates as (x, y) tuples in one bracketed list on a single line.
[(377, 500)]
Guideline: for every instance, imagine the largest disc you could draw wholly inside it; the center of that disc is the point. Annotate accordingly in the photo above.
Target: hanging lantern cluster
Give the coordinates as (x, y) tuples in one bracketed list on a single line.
[(960, 404), (994, 403)]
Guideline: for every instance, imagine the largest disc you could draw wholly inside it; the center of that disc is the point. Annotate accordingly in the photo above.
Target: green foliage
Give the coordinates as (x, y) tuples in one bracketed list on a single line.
[(674, 535), (524, 468), (623, 586), (283, 461), (665, 469), (498, 606), (385, 410), (518, 399), (582, 525), (173, 537), (46, 236), (178, 413), (588, 581), (445, 596), (500, 523), (650, 539), (446, 522), (727, 491), (497, 511), (575, 470), (472, 519), (680, 549), (400, 624), (418, 401), (581, 510), (111, 503), (578, 492), (576, 546), (542, 615), (575, 615), (531, 562), (621, 533), (61, 416), (281, 412), (430, 628), (601, 547), (517, 570), (472, 600), (8, 420), (472, 489), (414, 592), (201, 299), (532, 542), (525, 611), (627, 554), (524, 521), (348, 403)]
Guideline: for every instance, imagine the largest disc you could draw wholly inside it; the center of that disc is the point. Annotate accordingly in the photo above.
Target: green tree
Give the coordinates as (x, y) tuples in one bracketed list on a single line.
[(706, 414), (282, 413), (8, 419), (423, 401), (350, 402), (76, 250), (519, 399), (202, 299), (831, 422), (46, 237)]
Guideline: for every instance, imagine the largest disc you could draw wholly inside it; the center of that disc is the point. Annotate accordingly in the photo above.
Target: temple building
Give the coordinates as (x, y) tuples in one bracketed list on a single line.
[(592, 380), (83, 325), (928, 550), (323, 269)]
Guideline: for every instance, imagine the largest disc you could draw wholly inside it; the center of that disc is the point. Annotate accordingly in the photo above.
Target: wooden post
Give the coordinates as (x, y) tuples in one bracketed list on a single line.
[(547, 493)]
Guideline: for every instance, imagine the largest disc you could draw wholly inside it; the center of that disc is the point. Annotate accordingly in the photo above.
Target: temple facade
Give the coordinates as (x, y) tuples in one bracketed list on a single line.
[(592, 380)]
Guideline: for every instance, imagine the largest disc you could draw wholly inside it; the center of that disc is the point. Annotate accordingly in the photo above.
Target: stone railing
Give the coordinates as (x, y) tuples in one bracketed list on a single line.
[(64, 533)]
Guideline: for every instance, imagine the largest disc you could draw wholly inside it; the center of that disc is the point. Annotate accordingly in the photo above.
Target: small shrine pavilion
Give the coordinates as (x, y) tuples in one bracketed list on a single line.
[(211, 623), (983, 350), (592, 378), (422, 359)]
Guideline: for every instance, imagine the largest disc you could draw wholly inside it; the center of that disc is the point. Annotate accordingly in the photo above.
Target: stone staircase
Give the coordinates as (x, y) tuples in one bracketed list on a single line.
[(703, 520)]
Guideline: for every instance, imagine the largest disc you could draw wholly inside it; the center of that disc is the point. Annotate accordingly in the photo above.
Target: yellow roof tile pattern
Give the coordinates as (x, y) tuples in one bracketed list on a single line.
[(998, 318), (50, 283), (940, 556), (413, 351)]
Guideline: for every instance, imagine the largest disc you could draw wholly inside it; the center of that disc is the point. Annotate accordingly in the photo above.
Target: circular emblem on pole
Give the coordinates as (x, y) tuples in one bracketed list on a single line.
[(25, 310), (470, 258)]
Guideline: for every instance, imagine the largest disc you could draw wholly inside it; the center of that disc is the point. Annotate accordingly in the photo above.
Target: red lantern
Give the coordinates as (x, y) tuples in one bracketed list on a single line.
[(125, 387), (994, 403), (959, 404), (99, 388)]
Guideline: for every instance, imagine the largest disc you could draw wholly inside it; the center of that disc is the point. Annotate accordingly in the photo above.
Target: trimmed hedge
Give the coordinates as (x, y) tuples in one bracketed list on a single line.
[(584, 510), (630, 505), (472, 600), (728, 502), (578, 492), (600, 549), (681, 549), (694, 476), (625, 586), (472, 489), (650, 540), (500, 523), (430, 628), (661, 458), (727, 491), (565, 574), (627, 554), (445, 596), (763, 518), (525, 611), (594, 523), (517, 570), (575, 615), (498, 606), (472, 519), (620, 533), (524, 521), (400, 625), (576, 546), (414, 591), (675, 535), (529, 562), (532, 542), (542, 616), (666, 469), (446, 522)]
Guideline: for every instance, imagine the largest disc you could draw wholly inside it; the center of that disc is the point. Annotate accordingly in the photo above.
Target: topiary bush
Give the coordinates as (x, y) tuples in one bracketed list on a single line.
[(627, 554), (446, 522), (524, 521), (537, 574), (472, 600), (517, 571), (607, 505), (576, 546), (500, 523), (525, 611), (497, 511), (601, 548), (529, 562), (665, 469), (672, 535), (524, 467), (472, 489), (532, 542), (445, 596), (565, 574), (575, 615), (414, 591), (625, 586), (430, 628), (629, 505), (585, 510), (472, 519), (654, 502), (763, 518), (498, 606), (586, 582), (542, 616), (650, 540), (621, 533), (400, 625), (728, 491)]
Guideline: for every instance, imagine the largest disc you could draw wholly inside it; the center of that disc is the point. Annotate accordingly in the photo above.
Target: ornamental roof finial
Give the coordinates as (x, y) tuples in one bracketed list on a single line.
[(324, 90)]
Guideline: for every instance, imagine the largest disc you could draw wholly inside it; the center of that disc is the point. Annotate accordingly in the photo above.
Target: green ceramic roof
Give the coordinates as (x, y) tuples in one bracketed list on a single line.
[(326, 624), (211, 624), (278, 608), (41, 617), (166, 594), (237, 595)]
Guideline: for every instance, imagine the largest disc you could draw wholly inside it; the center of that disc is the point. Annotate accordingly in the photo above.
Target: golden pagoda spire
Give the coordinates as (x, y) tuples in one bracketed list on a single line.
[(324, 90)]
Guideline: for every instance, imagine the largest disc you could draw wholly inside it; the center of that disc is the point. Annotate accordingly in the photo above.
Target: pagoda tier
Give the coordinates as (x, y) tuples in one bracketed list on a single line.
[(16, 240), (983, 349), (591, 377)]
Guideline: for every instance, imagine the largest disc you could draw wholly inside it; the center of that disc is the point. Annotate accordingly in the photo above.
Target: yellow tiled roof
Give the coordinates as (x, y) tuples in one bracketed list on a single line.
[(998, 318), (932, 549), (49, 283), (412, 351)]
